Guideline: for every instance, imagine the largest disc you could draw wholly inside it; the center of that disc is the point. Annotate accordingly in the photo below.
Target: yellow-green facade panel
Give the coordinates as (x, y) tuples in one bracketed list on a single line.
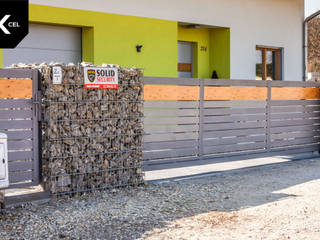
[(112, 38)]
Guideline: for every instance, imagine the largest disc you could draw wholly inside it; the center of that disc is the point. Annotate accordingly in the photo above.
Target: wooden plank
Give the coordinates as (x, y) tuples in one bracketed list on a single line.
[(170, 153), (170, 112), (173, 120), (19, 145), (170, 128), (171, 104), (230, 133), (169, 137), (170, 145), (21, 155), (184, 67), (314, 102), (233, 140), (264, 64), (20, 166), (16, 124), (294, 129), (233, 148), (298, 141), (171, 93), (278, 54), (230, 126), (233, 118), (308, 134), (15, 88), (235, 93), (295, 93), (283, 123), (13, 114), (171, 81), (20, 177), (230, 111), (236, 104), (17, 135), (15, 103)]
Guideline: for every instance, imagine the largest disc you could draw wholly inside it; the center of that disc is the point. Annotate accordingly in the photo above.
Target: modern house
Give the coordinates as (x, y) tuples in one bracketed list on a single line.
[(239, 39)]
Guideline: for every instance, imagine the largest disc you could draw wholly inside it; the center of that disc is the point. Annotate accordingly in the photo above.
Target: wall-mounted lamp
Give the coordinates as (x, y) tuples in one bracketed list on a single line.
[(138, 47)]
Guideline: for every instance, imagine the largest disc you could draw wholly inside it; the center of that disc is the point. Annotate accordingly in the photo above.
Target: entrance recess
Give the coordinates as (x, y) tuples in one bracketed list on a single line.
[(185, 59)]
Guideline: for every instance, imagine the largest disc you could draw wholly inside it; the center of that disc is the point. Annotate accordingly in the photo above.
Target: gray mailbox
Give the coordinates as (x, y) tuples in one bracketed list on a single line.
[(4, 175)]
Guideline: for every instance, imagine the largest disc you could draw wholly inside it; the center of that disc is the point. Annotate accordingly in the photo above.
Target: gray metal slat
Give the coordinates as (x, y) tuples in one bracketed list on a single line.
[(20, 166), (149, 129), (281, 136), (16, 124), (13, 114), (298, 141), (20, 177), (169, 137), (236, 104), (148, 146), (16, 73), (222, 141), (17, 135), (172, 120), (275, 103), (171, 104), (21, 155), (283, 123), (233, 148), (231, 126), (284, 109), (230, 133), (232, 111), (217, 119), (234, 82), (294, 84), (302, 115), (20, 145), (170, 153), (171, 81), (294, 129), (15, 103), (171, 112)]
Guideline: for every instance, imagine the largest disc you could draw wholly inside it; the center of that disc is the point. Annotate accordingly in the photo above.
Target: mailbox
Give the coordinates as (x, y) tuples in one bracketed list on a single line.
[(4, 174)]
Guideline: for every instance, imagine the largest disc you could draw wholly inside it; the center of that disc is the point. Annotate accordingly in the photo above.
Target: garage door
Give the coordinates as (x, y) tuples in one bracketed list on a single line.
[(46, 43)]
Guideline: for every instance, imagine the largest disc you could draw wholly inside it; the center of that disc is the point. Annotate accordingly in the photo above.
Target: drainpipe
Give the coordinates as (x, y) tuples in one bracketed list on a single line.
[(305, 42)]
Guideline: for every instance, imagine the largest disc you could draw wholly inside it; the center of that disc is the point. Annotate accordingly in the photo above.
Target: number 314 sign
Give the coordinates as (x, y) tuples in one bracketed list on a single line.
[(100, 78)]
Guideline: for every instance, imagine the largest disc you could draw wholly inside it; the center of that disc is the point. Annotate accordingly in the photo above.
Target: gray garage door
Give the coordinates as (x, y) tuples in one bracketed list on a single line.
[(46, 43)]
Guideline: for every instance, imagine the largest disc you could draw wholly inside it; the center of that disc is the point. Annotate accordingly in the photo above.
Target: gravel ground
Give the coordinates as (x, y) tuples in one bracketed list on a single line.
[(272, 202)]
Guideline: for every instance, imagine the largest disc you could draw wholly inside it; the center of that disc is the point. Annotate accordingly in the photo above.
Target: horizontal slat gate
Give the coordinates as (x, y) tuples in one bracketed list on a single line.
[(273, 118), (19, 120)]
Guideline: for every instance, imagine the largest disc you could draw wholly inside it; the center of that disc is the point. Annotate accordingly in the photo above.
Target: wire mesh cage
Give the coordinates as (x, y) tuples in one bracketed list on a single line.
[(91, 138)]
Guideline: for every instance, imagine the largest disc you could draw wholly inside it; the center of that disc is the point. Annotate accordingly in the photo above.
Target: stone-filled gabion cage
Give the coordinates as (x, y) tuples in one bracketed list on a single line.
[(91, 138)]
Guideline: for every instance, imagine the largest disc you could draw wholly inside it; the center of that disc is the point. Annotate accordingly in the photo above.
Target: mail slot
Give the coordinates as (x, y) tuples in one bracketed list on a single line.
[(4, 176)]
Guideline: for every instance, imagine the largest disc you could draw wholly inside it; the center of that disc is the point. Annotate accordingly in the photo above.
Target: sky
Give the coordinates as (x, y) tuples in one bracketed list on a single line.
[(312, 6)]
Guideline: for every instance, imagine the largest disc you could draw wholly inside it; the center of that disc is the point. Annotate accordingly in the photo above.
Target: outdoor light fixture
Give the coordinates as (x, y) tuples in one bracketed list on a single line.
[(138, 47)]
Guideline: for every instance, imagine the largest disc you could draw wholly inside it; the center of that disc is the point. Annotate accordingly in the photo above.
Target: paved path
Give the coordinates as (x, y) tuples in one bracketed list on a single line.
[(196, 170)]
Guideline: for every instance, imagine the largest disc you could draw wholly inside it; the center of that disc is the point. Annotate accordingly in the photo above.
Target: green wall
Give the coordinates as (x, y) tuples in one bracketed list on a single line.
[(111, 38), (220, 51)]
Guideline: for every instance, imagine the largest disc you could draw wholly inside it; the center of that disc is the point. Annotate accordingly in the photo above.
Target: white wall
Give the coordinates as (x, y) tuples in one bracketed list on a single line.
[(276, 23)]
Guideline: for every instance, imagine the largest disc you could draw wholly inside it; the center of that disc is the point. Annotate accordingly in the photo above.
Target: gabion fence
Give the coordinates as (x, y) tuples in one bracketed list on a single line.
[(91, 138)]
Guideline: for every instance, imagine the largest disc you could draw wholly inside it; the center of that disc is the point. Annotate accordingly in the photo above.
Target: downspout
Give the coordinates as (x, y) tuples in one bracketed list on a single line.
[(305, 42)]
